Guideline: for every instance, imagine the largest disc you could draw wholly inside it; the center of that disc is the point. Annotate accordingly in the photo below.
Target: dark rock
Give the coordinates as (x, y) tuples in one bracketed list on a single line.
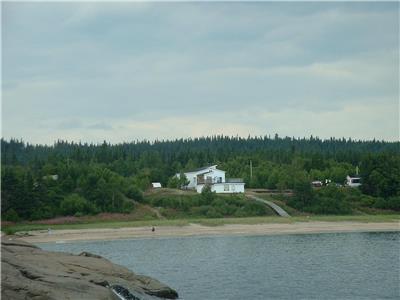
[(120, 290), (101, 282), (88, 254), (31, 273)]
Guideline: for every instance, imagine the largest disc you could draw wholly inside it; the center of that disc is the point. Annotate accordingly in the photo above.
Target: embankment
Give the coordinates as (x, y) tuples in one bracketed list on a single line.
[(29, 272)]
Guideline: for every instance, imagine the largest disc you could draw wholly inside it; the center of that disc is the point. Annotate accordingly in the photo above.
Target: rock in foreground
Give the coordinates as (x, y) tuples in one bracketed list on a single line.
[(29, 272)]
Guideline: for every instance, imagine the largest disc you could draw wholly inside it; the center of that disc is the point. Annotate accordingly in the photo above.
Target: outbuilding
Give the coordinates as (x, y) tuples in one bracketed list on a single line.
[(353, 181)]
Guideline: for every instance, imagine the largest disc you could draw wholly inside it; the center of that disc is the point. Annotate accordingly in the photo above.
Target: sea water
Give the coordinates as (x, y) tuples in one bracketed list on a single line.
[(304, 266)]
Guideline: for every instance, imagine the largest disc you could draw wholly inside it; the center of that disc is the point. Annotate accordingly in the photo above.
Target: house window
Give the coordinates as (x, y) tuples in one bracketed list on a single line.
[(226, 187), (220, 179)]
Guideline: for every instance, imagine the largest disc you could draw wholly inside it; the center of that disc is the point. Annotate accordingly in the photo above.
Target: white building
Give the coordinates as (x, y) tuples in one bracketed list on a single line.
[(52, 177), (353, 181), (156, 185), (215, 179), (316, 183)]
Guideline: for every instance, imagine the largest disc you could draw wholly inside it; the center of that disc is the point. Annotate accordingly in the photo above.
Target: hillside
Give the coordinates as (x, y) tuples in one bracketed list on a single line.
[(74, 179)]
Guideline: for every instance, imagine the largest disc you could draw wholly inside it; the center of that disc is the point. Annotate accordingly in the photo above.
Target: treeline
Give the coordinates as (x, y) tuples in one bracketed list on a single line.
[(197, 151), (40, 181), (71, 189)]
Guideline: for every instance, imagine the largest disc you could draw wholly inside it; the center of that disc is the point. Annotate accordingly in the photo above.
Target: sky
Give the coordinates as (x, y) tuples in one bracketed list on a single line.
[(130, 71)]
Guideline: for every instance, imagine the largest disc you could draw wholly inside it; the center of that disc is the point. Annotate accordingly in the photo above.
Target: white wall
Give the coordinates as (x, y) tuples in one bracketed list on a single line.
[(224, 188), (216, 174), (199, 188), (192, 177)]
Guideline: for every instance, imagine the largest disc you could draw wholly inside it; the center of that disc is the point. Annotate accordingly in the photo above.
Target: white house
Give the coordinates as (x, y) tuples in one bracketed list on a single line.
[(353, 181), (156, 185), (215, 178)]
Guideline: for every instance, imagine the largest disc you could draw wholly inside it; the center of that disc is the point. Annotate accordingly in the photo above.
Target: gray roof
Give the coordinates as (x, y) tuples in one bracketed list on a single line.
[(234, 180), (203, 173), (199, 169)]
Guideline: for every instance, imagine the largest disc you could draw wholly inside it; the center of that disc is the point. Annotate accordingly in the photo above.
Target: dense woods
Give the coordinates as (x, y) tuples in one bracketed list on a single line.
[(40, 181)]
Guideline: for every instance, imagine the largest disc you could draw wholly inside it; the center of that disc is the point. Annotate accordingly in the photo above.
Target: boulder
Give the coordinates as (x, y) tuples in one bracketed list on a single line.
[(29, 272)]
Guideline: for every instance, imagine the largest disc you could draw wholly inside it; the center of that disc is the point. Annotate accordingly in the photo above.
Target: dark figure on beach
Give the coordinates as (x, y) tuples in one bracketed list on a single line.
[(153, 229)]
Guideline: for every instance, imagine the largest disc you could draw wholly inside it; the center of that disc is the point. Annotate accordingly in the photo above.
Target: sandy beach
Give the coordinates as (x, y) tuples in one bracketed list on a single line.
[(72, 235)]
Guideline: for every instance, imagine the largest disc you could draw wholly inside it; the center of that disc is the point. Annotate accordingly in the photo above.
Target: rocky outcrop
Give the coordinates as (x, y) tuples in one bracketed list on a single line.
[(29, 272)]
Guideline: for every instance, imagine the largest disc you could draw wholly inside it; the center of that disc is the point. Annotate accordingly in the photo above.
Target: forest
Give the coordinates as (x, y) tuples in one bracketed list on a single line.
[(68, 178)]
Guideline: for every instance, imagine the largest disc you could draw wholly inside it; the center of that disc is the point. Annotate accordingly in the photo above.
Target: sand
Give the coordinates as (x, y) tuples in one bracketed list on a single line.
[(72, 235)]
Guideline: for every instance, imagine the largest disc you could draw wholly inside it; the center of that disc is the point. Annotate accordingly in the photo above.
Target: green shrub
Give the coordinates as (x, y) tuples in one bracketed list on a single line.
[(213, 213), (388, 203), (173, 182), (255, 209), (134, 193), (207, 196), (240, 213), (127, 206), (367, 201), (326, 200), (327, 205), (199, 210), (74, 203), (11, 215), (226, 209), (43, 212), (8, 231), (169, 213)]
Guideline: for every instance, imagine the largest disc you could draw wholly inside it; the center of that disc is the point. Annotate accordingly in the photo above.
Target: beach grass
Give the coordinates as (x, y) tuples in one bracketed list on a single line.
[(275, 219), (20, 227)]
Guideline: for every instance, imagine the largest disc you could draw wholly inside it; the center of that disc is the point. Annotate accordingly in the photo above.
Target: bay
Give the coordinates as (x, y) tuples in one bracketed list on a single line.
[(304, 266)]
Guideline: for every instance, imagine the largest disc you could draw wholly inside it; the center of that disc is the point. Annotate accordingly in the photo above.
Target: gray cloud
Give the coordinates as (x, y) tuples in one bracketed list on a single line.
[(100, 126), (147, 67)]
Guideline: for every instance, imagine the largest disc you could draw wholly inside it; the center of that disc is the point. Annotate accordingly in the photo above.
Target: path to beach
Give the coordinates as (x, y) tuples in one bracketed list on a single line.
[(70, 235)]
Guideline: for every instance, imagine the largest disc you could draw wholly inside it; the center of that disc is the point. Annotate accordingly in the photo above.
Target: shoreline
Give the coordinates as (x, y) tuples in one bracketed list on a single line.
[(105, 234)]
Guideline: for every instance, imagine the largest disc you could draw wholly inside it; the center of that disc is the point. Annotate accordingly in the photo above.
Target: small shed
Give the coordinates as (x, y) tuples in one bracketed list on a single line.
[(156, 185), (353, 181), (316, 183), (52, 177)]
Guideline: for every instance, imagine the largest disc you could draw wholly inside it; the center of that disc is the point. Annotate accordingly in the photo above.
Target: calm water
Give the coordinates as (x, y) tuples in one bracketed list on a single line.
[(316, 266)]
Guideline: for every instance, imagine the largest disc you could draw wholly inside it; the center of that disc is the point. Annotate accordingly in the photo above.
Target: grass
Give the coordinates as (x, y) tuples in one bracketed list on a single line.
[(353, 218), (246, 220), (168, 192), (11, 229), (275, 219), (144, 217)]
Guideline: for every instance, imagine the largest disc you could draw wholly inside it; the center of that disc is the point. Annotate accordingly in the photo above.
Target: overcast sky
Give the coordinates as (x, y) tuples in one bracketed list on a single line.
[(127, 71)]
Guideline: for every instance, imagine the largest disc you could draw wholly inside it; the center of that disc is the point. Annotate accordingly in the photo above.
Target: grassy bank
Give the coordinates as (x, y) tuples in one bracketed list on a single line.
[(10, 229)]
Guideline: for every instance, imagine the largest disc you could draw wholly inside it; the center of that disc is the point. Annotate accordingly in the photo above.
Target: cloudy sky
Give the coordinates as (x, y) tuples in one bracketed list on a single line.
[(127, 71)]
